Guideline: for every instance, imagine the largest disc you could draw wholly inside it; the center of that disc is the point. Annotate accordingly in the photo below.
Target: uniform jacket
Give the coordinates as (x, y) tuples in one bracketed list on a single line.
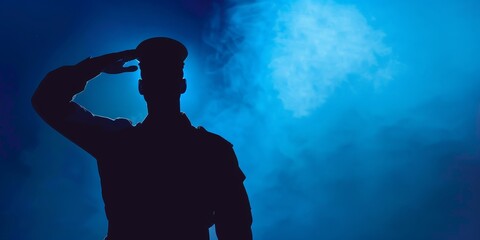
[(158, 181)]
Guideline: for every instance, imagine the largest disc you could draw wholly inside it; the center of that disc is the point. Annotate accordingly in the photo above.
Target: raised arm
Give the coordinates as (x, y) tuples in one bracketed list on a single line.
[(53, 99)]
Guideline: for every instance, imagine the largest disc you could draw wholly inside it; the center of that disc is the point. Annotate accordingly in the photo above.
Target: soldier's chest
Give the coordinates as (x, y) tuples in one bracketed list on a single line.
[(162, 156)]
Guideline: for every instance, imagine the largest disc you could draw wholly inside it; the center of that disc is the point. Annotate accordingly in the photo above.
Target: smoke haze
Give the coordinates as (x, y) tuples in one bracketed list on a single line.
[(351, 119)]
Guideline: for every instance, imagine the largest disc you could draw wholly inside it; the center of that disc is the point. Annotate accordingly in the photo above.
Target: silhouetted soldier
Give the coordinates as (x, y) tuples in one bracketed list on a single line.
[(162, 178)]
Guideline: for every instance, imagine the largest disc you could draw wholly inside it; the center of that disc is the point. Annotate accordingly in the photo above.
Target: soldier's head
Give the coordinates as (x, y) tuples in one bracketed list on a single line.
[(161, 62)]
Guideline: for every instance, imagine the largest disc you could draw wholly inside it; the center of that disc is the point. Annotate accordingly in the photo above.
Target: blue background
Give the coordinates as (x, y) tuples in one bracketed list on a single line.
[(351, 119)]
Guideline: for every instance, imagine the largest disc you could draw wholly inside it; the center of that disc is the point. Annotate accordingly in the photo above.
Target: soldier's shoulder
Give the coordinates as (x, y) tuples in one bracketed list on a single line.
[(213, 138)]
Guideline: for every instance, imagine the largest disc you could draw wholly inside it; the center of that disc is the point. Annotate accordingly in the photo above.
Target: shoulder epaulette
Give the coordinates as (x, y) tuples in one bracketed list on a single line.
[(212, 137)]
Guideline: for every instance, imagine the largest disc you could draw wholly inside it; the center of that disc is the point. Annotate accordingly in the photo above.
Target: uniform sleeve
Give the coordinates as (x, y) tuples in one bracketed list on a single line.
[(229, 168), (233, 217), (232, 211), (53, 101)]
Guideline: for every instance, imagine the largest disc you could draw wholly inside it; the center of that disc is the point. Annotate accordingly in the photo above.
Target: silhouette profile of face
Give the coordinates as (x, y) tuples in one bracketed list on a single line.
[(161, 62)]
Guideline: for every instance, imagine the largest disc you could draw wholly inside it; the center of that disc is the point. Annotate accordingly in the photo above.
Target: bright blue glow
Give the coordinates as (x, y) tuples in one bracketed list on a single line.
[(345, 121), (351, 119), (302, 49)]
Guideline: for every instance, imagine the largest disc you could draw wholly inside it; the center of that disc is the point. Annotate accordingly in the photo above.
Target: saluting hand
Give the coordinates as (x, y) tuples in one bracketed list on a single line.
[(112, 63)]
